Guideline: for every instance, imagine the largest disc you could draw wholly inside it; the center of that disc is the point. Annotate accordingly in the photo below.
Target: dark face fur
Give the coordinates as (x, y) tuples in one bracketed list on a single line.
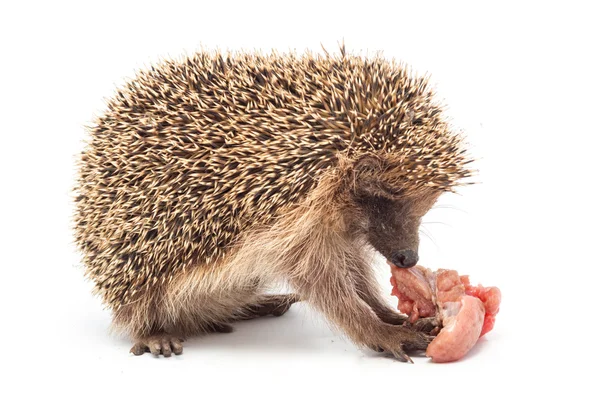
[(392, 228), (389, 219)]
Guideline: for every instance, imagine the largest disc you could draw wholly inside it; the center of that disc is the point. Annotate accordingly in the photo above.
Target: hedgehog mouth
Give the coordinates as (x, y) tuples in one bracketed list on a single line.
[(400, 266)]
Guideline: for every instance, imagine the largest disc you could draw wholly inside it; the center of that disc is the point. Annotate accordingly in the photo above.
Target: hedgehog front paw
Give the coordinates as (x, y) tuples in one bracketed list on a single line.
[(429, 325), (400, 339), (164, 344)]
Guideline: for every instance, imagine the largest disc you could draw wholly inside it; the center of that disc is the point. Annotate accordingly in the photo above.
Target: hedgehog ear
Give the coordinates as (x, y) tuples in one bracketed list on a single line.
[(367, 177), (367, 165)]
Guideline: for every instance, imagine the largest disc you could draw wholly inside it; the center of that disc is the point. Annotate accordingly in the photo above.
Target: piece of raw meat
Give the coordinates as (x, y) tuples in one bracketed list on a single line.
[(466, 312)]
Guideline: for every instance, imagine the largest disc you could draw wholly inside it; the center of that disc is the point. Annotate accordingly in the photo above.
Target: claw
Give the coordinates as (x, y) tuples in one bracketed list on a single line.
[(402, 356), (177, 347), (155, 349), (138, 349), (166, 347), (397, 353)]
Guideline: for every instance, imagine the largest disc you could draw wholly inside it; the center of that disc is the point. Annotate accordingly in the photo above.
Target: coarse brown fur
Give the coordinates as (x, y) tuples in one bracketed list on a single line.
[(212, 178)]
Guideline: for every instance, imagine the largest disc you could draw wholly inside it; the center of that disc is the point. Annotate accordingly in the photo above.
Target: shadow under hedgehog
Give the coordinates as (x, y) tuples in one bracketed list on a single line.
[(210, 179)]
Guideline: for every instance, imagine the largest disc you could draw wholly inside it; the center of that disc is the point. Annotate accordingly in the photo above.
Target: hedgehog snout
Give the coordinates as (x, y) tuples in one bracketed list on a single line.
[(405, 258)]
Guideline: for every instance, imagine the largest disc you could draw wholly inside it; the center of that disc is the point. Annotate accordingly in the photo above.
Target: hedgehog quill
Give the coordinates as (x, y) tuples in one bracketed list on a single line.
[(210, 179)]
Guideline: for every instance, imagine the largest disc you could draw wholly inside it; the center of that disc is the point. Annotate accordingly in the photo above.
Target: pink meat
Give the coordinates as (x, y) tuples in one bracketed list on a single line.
[(462, 321), (490, 296), (467, 312), (414, 292)]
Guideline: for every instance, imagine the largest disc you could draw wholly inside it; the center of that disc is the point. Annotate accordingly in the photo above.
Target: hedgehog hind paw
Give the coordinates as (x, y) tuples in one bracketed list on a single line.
[(165, 344), (275, 305)]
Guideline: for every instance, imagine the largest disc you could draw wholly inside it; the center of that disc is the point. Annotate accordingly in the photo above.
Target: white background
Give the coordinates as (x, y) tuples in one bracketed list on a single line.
[(522, 80)]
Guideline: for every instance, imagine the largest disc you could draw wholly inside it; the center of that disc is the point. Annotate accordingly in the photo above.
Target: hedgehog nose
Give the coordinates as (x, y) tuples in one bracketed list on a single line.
[(405, 258)]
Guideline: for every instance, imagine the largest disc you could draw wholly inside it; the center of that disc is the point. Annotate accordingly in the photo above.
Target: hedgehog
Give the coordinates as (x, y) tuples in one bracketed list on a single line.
[(211, 179)]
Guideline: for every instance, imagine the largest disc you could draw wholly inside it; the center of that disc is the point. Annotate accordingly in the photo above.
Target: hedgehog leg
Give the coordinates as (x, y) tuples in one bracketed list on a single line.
[(337, 297), (275, 305), (368, 290), (162, 343)]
